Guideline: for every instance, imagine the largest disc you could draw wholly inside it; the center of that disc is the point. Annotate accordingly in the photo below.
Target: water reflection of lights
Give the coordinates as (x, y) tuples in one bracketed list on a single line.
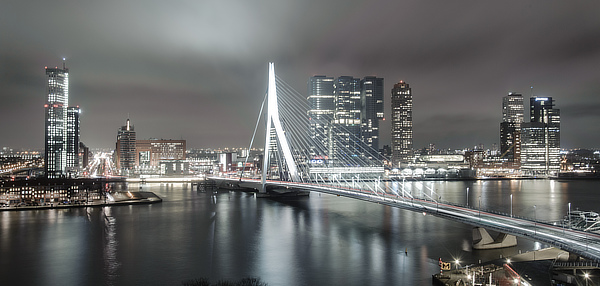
[(111, 263)]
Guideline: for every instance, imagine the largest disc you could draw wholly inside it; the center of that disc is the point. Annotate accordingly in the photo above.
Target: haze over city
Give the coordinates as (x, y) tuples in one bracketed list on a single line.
[(198, 70)]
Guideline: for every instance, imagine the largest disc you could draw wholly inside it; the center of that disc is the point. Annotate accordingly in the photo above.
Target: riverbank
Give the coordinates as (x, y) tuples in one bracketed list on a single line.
[(113, 199)]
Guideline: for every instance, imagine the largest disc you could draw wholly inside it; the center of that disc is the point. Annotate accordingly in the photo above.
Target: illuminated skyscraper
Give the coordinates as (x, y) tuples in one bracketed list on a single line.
[(402, 132), (541, 138), (510, 127), (57, 90), (72, 139), (371, 113), (346, 118), (321, 102), (126, 145)]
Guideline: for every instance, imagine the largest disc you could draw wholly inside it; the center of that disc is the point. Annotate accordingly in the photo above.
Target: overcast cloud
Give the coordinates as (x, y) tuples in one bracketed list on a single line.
[(197, 70)]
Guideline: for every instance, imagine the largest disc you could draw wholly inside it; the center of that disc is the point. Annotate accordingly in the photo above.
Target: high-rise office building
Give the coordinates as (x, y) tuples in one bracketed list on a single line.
[(510, 127), (371, 113), (402, 132), (541, 138), (72, 139), (512, 108), (57, 90), (321, 102), (126, 146), (84, 155), (346, 118)]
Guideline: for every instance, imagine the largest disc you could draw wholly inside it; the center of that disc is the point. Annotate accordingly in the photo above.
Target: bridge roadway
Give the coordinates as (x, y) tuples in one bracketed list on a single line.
[(582, 243)]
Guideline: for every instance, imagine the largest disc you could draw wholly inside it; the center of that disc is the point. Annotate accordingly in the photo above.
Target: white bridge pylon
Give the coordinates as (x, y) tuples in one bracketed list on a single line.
[(273, 117)]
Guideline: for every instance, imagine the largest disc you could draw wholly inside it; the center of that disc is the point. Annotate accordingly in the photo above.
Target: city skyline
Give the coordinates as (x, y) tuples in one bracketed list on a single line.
[(205, 73)]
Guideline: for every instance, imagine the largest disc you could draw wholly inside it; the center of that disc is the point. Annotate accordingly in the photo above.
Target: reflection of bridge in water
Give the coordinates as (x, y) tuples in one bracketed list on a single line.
[(288, 167)]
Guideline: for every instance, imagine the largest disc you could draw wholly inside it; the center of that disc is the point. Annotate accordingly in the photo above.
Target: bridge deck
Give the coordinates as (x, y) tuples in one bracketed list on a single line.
[(585, 244)]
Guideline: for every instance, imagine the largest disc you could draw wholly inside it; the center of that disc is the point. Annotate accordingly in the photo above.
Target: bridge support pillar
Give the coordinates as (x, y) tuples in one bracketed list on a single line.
[(483, 240)]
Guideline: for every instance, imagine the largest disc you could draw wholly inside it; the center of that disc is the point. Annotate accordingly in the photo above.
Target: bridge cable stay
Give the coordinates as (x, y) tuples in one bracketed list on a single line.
[(345, 151), (292, 114), (254, 134), (292, 103), (293, 110)]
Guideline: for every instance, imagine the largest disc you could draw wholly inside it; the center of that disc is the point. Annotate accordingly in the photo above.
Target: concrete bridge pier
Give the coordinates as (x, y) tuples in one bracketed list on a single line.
[(483, 240)]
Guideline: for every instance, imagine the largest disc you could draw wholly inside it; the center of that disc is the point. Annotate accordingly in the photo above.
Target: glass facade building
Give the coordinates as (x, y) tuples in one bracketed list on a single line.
[(344, 115), (541, 138), (72, 139), (57, 90), (346, 118), (126, 148), (510, 127), (402, 124), (321, 102), (372, 113)]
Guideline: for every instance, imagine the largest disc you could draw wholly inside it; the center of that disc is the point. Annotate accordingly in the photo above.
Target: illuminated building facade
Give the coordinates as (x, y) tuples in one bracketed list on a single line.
[(510, 127), (57, 90), (541, 138), (153, 156), (402, 124), (371, 113), (321, 102), (152, 152), (347, 111), (346, 118), (72, 139), (126, 148)]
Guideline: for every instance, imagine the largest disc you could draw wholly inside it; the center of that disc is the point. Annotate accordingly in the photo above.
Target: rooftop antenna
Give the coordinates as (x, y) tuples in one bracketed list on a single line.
[(64, 65), (531, 91)]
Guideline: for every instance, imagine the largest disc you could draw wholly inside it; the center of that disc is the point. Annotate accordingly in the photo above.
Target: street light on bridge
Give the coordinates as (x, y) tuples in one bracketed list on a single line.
[(569, 215), (511, 205), (479, 208), (534, 220)]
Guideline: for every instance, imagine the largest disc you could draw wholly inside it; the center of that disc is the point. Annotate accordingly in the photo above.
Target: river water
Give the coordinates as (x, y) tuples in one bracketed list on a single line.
[(314, 240)]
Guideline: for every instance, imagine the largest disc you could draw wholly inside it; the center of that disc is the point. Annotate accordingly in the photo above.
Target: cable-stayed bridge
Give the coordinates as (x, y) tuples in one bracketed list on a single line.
[(307, 154)]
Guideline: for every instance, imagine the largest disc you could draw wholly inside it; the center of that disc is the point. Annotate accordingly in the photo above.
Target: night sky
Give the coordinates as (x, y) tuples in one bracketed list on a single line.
[(197, 70)]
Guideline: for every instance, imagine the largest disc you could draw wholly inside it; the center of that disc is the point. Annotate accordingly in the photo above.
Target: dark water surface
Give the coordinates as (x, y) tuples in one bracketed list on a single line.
[(316, 240)]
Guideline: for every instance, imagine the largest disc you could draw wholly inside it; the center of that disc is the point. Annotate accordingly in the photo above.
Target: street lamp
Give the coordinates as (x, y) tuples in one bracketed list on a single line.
[(479, 208), (511, 205), (569, 215), (467, 197), (534, 220)]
